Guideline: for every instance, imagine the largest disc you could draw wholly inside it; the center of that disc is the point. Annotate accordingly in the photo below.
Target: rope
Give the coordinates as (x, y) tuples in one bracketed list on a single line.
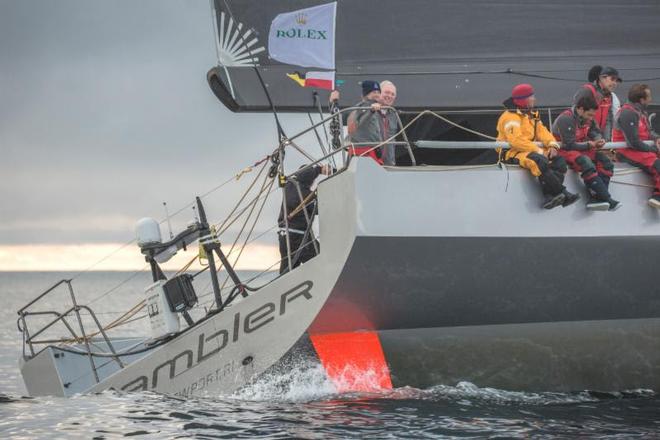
[(302, 205), (261, 170), (108, 292), (111, 254), (242, 248), (123, 319), (242, 211), (252, 205), (413, 120), (127, 317), (640, 185)]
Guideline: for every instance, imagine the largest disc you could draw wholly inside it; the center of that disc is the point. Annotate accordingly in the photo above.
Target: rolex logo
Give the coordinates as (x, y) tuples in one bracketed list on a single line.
[(301, 18)]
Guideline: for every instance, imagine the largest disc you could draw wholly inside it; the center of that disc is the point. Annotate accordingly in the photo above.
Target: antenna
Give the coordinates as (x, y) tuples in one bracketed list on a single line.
[(167, 217)]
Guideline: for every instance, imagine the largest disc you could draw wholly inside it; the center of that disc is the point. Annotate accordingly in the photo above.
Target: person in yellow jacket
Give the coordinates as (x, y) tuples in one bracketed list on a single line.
[(521, 127)]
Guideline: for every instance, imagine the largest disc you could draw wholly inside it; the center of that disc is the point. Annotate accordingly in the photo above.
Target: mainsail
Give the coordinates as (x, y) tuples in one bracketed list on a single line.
[(443, 54)]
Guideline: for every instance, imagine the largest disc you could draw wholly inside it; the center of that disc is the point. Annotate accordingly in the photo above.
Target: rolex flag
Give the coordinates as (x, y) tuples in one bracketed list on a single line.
[(305, 37)]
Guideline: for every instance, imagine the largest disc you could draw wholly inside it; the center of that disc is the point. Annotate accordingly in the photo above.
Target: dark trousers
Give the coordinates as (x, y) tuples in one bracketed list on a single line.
[(550, 172), (301, 251), (595, 168), (590, 164)]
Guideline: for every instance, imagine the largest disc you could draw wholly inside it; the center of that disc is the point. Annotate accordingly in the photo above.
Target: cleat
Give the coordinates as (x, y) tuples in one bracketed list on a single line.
[(553, 201), (570, 198)]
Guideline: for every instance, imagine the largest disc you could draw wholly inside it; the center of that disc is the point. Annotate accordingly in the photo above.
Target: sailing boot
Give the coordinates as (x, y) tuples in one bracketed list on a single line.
[(614, 205), (554, 192), (654, 201), (569, 198), (599, 196), (550, 201), (597, 205)]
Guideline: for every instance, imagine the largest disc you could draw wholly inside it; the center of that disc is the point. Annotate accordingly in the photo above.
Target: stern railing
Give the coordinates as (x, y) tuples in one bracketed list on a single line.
[(30, 342)]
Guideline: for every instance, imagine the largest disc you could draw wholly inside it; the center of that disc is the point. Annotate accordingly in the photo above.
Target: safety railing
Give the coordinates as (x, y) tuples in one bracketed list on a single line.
[(492, 145), (30, 341), (290, 141)]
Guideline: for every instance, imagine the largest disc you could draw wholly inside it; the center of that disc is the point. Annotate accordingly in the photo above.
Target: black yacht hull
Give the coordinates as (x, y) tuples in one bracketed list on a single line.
[(558, 300)]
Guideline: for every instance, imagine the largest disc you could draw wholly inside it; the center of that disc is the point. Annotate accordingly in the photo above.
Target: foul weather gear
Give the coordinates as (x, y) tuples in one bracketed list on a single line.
[(521, 130), (608, 105), (594, 166), (301, 236), (633, 127)]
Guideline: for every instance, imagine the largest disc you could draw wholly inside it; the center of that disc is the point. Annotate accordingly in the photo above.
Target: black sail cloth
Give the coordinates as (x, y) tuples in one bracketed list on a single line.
[(451, 54)]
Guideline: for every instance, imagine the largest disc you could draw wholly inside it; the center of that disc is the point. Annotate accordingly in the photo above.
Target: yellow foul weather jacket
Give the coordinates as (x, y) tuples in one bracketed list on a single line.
[(521, 130)]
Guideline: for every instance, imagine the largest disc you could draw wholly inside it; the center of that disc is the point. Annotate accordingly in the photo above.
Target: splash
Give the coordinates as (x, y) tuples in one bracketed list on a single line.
[(467, 393), (301, 383), (309, 381)]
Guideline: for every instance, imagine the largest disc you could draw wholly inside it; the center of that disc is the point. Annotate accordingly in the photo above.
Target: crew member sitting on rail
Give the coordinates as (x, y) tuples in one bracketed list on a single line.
[(301, 209), (581, 144), (521, 126), (365, 127), (602, 83), (633, 128)]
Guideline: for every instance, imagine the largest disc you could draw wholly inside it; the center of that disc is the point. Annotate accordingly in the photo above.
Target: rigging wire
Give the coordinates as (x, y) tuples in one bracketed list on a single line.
[(247, 238), (234, 177), (252, 206), (221, 227), (507, 71)]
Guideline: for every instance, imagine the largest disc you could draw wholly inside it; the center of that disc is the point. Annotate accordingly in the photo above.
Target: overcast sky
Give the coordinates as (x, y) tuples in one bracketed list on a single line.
[(105, 112)]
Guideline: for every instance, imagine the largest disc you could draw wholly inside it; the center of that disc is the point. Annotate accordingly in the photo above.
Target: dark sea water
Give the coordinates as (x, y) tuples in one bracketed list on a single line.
[(299, 404)]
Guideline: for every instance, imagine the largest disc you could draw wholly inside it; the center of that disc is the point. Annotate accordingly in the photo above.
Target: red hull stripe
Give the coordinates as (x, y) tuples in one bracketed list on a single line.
[(353, 361)]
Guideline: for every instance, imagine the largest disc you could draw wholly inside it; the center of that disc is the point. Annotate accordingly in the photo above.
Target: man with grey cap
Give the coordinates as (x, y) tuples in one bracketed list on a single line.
[(602, 83), (365, 125)]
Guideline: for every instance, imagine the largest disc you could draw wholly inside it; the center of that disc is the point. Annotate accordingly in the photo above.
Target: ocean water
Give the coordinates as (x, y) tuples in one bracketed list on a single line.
[(301, 403)]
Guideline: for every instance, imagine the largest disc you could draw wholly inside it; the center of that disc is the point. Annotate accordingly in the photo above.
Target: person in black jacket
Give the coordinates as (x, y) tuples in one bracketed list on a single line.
[(301, 207)]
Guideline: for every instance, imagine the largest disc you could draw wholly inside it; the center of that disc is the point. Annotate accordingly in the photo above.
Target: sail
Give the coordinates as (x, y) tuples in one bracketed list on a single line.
[(443, 54)]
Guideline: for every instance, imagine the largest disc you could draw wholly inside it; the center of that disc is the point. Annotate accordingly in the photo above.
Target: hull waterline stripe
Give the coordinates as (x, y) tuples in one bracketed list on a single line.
[(353, 361)]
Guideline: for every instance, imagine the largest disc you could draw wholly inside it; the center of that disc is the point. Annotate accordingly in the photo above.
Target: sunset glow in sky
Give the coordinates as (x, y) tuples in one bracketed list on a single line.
[(115, 256)]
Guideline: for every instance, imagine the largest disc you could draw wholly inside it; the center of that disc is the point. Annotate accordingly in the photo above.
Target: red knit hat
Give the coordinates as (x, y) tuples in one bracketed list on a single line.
[(520, 93)]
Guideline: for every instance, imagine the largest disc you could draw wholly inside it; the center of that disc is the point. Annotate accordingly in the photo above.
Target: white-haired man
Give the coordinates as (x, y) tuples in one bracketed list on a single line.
[(390, 122)]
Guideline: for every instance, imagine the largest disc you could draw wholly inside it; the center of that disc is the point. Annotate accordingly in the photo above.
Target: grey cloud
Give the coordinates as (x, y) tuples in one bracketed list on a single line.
[(105, 112)]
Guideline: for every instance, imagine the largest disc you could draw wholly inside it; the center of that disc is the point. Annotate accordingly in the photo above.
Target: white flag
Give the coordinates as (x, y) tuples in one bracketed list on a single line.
[(305, 37)]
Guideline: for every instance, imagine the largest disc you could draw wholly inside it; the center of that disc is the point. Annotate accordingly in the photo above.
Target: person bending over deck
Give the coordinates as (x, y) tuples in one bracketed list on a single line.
[(390, 121), (521, 127), (365, 127), (299, 200), (581, 144), (602, 83), (633, 127)]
